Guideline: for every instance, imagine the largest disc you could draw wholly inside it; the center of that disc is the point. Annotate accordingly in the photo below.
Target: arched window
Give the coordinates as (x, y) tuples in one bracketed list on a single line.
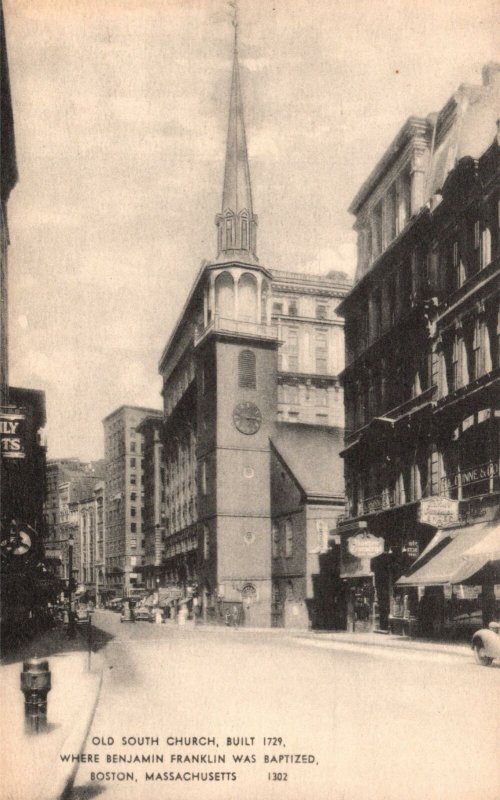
[(246, 370), (224, 295), (247, 298)]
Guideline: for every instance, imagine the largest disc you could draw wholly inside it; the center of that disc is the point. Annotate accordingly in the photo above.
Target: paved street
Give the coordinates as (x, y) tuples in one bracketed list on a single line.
[(363, 723)]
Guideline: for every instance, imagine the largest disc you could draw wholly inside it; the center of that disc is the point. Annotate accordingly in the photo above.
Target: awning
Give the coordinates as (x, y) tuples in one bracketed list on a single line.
[(455, 555)]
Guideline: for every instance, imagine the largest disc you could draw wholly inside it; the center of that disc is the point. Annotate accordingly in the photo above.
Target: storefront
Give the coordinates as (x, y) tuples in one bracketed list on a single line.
[(454, 586)]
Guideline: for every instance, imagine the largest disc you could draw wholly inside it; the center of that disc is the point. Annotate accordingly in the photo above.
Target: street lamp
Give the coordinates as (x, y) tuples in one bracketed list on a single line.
[(71, 619)]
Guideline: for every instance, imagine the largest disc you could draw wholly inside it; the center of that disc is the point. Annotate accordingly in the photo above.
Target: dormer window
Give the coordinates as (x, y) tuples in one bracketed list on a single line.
[(229, 232), (244, 234)]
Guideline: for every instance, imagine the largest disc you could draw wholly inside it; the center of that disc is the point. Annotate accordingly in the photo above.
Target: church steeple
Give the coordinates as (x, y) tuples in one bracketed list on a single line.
[(236, 224)]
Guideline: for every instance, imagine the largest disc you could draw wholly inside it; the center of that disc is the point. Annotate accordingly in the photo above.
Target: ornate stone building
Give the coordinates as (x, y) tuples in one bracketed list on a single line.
[(422, 371)]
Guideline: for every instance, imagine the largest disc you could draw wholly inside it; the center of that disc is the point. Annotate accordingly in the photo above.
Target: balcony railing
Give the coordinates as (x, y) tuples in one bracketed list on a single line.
[(237, 326), (379, 502), (472, 482)]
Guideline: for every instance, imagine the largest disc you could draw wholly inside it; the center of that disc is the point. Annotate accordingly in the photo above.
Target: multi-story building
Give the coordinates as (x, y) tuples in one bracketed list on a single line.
[(123, 452), (78, 479), (256, 352), (91, 544), (422, 373), (154, 509)]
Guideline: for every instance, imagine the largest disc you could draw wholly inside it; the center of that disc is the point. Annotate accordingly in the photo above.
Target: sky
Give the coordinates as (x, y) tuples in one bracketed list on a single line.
[(120, 113)]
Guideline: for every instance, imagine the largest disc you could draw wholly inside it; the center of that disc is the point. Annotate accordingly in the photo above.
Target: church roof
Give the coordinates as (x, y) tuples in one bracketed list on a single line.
[(311, 453)]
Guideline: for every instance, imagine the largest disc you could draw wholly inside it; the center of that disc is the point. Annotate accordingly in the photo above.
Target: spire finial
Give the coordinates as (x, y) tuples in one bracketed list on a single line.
[(235, 22)]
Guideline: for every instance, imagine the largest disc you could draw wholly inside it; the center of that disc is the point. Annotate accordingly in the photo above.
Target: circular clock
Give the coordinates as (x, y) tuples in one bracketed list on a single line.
[(247, 418)]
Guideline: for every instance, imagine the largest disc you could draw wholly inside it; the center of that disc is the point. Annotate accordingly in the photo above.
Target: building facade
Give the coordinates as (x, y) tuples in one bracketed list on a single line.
[(91, 543), (154, 508), (422, 374), (123, 453), (253, 348)]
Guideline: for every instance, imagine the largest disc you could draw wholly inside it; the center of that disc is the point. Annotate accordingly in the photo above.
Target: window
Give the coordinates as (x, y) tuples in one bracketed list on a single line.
[(458, 266), (288, 538), (229, 232), (206, 542), (244, 234), (292, 348), (132, 462), (292, 394), (133, 511), (277, 309), (477, 349), (485, 248), (376, 313), (276, 541), (322, 397), (292, 308), (321, 311), (133, 527), (133, 479), (246, 370), (321, 348), (204, 482)]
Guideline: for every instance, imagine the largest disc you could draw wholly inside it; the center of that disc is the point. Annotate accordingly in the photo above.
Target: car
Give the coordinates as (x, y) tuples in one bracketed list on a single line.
[(486, 644), (127, 613), (143, 615)]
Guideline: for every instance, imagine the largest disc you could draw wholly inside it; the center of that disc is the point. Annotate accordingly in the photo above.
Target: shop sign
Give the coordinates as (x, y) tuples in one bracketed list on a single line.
[(412, 548), (12, 434), (365, 546), (438, 511)]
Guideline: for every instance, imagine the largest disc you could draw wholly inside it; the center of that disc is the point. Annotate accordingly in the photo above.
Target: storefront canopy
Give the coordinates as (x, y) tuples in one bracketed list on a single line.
[(456, 555)]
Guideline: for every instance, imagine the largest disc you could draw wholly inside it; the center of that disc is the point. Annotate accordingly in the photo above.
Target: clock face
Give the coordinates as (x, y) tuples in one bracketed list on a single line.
[(247, 418)]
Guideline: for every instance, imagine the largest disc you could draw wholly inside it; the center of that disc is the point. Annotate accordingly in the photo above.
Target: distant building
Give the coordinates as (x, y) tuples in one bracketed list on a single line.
[(253, 348), (421, 533), (154, 509), (69, 480), (91, 544), (123, 452)]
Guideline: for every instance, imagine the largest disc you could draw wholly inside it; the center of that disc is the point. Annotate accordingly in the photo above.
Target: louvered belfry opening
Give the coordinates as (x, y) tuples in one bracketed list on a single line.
[(246, 370)]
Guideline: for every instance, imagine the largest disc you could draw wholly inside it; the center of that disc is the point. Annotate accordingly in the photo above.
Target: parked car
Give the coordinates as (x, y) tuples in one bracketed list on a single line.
[(486, 644), (143, 615), (127, 613)]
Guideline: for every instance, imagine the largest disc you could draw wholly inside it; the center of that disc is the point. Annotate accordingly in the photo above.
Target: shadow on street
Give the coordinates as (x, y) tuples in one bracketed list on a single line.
[(55, 642)]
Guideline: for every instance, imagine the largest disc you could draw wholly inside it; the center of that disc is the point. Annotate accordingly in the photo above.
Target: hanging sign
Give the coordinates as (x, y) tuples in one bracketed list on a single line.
[(12, 434), (412, 548), (438, 511), (365, 546)]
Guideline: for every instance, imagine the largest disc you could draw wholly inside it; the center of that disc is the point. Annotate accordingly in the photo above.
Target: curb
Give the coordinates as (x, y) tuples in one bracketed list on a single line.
[(439, 649), (58, 787)]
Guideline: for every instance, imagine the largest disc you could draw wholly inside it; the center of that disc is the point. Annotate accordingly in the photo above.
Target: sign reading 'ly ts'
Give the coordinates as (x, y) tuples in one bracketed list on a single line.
[(12, 434)]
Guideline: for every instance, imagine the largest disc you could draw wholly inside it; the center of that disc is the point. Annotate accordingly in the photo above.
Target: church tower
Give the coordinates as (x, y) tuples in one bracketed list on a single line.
[(236, 362)]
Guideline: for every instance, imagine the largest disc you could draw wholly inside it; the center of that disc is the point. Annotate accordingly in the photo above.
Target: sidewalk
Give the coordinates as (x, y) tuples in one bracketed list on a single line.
[(31, 766), (380, 640)]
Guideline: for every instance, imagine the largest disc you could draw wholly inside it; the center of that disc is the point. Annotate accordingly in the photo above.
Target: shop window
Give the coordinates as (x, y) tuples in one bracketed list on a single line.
[(247, 370)]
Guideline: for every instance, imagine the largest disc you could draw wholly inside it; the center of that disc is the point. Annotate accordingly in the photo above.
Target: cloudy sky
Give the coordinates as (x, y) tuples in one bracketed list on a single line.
[(120, 110)]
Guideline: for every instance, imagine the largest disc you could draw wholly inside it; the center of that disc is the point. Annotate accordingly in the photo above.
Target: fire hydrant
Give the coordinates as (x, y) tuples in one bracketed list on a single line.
[(35, 685)]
